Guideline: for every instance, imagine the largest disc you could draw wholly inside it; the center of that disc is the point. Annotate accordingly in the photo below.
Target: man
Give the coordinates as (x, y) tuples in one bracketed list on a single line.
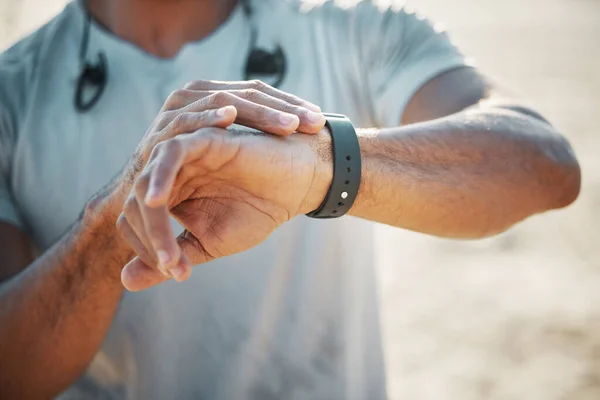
[(277, 309)]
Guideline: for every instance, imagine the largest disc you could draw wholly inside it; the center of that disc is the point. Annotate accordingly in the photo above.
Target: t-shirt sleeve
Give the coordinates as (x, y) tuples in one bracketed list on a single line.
[(400, 52), (12, 80), (8, 209)]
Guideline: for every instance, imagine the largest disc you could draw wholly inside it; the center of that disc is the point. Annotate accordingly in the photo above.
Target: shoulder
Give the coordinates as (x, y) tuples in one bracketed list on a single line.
[(336, 12), (357, 22), (20, 64)]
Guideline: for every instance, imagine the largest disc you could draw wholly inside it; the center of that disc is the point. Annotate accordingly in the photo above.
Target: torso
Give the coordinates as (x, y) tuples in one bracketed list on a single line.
[(292, 318)]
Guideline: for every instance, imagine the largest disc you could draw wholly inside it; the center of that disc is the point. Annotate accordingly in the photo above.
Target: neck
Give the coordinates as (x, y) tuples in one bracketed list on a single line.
[(161, 27)]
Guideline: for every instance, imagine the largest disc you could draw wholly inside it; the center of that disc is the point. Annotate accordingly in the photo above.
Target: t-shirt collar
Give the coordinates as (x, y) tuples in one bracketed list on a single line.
[(226, 35)]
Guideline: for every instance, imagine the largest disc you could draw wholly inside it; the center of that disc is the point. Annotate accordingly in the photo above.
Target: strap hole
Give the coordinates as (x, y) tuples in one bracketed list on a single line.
[(346, 182), (348, 158), (340, 204), (348, 169), (334, 211)]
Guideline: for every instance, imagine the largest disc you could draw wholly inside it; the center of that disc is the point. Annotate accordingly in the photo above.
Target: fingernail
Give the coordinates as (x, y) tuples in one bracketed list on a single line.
[(177, 272), (163, 257), (311, 106), (315, 118), (286, 119)]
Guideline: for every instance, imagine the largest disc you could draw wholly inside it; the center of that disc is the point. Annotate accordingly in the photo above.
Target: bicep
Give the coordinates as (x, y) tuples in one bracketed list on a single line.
[(446, 94), (16, 251)]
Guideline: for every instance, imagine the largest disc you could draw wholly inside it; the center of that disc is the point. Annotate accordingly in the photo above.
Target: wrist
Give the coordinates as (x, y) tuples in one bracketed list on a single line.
[(321, 147), (104, 208), (98, 227)]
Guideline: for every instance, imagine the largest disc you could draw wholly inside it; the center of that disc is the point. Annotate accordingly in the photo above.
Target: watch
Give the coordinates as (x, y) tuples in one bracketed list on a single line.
[(346, 168)]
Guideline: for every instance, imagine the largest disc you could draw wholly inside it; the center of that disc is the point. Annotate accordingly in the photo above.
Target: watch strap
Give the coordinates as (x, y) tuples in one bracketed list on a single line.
[(346, 168)]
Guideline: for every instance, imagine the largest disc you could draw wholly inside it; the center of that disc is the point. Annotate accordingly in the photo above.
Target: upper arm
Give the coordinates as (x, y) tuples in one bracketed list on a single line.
[(406, 61), (446, 94), (457, 90)]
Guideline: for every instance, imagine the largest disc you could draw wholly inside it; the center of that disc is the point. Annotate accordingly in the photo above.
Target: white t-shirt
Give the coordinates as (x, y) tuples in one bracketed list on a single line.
[(293, 318)]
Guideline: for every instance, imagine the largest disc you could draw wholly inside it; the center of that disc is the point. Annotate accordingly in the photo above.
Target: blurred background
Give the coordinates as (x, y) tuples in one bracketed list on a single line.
[(516, 316)]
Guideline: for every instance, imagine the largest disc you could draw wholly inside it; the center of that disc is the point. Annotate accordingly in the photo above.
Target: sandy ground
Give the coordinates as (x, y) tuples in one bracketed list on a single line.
[(515, 316)]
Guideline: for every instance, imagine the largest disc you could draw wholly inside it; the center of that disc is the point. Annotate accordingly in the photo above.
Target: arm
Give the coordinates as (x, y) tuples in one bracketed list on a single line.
[(473, 173), (467, 175), (465, 163), (56, 311)]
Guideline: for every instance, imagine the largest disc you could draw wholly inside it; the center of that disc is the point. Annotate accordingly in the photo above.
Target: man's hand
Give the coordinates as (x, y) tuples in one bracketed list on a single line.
[(201, 104), (229, 190), (209, 104)]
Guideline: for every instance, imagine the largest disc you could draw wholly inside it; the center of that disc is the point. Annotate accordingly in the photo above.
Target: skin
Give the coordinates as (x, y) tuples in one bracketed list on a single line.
[(465, 164), (468, 175)]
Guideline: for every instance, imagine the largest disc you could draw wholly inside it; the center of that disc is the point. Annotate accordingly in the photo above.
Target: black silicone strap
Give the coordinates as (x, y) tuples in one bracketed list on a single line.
[(346, 169)]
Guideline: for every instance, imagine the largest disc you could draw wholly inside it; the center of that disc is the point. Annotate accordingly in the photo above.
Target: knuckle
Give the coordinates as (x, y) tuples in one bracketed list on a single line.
[(257, 84), (291, 109), (175, 99), (194, 85), (252, 94), (164, 119), (142, 183), (157, 150), (173, 147), (220, 98), (130, 206), (180, 122), (262, 114)]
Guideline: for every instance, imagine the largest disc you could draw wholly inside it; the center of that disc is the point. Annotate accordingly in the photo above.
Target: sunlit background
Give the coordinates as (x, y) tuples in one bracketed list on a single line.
[(516, 316)]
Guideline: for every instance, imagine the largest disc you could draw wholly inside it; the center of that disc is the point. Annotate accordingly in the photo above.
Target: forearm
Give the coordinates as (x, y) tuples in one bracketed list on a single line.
[(56, 313), (469, 175)]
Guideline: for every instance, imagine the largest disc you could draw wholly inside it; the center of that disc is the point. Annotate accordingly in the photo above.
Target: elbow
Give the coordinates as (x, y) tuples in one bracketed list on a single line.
[(563, 178), (568, 188)]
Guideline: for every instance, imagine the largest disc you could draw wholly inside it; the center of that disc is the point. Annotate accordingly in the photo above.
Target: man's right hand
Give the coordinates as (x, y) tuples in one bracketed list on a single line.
[(201, 104), (204, 104)]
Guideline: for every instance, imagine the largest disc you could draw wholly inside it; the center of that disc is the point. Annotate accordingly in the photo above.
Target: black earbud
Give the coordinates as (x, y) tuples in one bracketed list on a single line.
[(93, 76), (262, 63)]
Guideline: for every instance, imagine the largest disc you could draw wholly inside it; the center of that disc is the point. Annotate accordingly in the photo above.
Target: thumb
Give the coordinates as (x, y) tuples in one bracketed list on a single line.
[(137, 275)]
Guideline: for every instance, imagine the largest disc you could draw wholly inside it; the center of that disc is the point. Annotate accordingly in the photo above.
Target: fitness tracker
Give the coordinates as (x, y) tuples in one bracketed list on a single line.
[(346, 169)]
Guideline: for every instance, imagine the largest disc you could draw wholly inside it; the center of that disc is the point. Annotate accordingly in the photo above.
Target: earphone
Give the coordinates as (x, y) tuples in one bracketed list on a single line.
[(92, 75), (259, 63)]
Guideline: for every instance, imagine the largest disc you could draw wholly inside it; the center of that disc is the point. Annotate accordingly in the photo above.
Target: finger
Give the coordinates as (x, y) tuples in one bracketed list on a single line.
[(161, 172), (310, 121), (135, 221), (137, 275), (127, 233), (254, 84), (188, 121), (167, 156), (250, 114)]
